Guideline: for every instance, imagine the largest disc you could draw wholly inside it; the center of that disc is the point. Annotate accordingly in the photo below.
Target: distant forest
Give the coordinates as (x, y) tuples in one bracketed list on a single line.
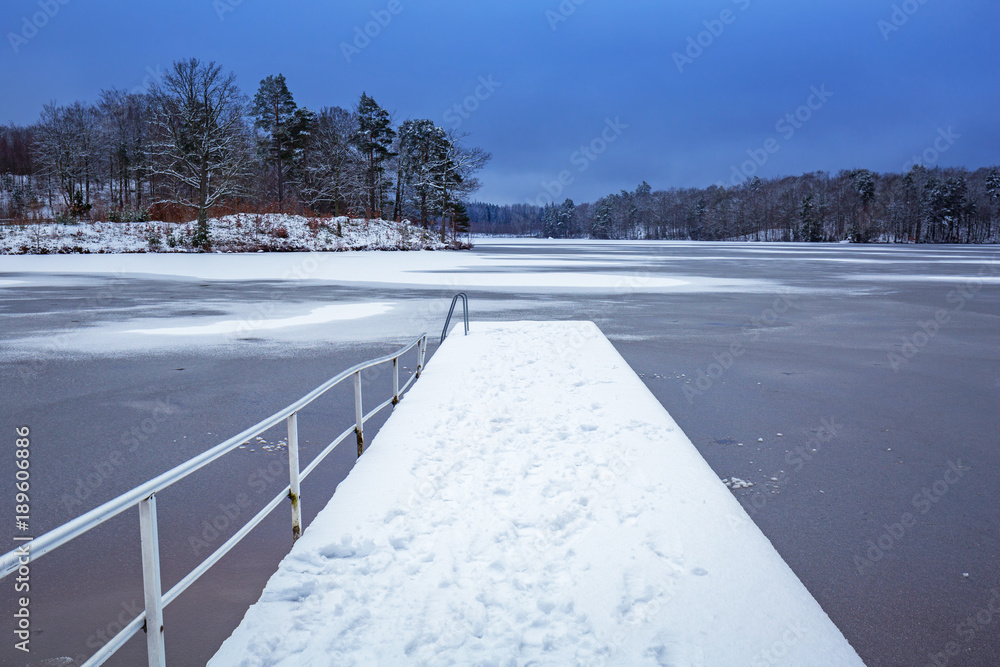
[(922, 206), (192, 145)]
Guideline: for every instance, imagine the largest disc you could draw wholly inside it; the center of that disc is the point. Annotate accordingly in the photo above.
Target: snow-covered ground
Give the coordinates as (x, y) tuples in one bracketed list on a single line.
[(530, 502), (233, 233)]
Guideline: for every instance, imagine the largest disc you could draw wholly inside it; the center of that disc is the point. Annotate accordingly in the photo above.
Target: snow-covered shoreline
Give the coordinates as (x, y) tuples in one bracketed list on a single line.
[(241, 232)]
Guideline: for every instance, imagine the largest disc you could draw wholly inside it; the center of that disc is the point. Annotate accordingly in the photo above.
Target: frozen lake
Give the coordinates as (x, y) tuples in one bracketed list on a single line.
[(856, 388)]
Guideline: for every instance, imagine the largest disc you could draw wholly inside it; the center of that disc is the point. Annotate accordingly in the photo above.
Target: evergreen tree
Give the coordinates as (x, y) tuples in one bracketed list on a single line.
[(810, 227), (992, 199), (864, 183), (911, 200), (374, 139), (423, 155), (993, 183), (285, 128), (460, 220), (564, 219), (549, 221), (603, 217)]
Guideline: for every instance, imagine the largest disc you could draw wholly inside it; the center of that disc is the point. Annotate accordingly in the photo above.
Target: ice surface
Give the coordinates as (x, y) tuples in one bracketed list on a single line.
[(530, 502), (321, 315), (458, 270)]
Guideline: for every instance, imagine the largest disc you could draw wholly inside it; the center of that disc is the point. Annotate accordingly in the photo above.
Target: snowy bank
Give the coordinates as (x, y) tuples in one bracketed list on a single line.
[(252, 232), (530, 500)]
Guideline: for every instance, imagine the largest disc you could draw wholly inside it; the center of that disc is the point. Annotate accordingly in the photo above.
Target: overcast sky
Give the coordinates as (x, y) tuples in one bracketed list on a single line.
[(675, 93)]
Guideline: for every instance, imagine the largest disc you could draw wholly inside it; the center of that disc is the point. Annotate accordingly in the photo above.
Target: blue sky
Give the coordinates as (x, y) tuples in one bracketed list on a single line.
[(561, 74)]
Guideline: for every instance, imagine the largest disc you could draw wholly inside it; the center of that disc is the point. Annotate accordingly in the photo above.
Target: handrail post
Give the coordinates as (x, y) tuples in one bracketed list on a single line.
[(421, 355), (465, 308), (359, 415), (151, 581), (293, 474), (395, 380)]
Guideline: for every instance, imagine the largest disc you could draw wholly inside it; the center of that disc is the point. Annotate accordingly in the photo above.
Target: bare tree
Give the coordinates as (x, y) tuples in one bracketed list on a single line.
[(125, 120), (66, 145), (16, 170), (201, 143), (330, 169), (456, 176)]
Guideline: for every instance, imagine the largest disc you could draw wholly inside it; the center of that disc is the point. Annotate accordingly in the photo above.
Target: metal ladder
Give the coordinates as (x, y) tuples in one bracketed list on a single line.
[(465, 310)]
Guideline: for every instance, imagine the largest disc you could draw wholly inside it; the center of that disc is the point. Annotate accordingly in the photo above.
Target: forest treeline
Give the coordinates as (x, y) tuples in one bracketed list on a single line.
[(193, 145), (939, 205)]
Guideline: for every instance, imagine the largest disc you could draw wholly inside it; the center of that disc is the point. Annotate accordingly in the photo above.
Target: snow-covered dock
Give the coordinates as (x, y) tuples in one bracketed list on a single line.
[(531, 502)]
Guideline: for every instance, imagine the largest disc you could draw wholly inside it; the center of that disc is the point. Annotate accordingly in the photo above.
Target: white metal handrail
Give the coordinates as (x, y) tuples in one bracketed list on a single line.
[(144, 496)]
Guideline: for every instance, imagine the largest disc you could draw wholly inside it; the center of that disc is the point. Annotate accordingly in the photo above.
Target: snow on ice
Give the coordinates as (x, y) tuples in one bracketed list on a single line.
[(458, 270), (320, 315), (530, 502)]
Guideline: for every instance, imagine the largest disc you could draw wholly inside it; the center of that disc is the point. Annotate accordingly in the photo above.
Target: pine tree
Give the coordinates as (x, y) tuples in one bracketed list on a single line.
[(549, 221), (602, 221), (460, 220), (423, 155), (993, 197), (374, 140), (564, 219), (810, 227), (284, 127), (864, 184)]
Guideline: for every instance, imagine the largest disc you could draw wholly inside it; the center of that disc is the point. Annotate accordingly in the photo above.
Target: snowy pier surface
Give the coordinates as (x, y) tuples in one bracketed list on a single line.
[(531, 502)]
